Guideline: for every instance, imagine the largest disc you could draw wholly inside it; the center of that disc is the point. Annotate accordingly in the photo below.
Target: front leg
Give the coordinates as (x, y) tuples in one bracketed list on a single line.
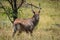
[(31, 30), (19, 32)]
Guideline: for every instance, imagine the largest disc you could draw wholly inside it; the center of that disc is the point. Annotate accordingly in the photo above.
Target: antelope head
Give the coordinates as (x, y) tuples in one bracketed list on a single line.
[(36, 13)]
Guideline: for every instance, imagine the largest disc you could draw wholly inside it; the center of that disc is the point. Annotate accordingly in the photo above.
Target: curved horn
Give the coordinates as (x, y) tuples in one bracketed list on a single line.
[(39, 8)]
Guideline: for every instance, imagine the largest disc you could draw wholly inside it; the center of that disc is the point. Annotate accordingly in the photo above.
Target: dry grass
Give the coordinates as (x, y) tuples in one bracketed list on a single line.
[(47, 29)]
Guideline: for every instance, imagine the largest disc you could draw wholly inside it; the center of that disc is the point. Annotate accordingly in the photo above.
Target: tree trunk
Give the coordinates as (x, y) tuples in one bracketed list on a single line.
[(14, 14), (15, 11)]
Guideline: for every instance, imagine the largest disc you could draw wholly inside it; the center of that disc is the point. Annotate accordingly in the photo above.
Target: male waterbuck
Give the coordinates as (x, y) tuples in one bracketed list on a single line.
[(26, 25)]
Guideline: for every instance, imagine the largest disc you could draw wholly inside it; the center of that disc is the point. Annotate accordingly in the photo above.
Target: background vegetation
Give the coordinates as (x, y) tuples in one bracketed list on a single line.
[(47, 29)]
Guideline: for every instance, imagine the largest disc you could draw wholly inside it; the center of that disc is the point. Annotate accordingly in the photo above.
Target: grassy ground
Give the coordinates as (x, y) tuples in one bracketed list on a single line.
[(47, 29)]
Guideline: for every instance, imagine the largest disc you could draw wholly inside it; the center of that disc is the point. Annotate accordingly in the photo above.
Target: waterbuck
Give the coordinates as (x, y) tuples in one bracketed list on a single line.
[(26, 25)]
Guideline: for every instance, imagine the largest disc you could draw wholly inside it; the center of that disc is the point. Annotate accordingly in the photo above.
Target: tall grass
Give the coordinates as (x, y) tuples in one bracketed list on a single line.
[(48, 27)]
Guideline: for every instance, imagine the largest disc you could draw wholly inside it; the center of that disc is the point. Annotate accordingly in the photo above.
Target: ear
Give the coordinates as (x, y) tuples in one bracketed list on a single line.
[(33, 11), (39, 11)]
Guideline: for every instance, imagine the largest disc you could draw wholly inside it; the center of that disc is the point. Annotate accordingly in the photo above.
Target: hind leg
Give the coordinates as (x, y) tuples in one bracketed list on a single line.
[(14, 32), (19, 29), (15, 29)]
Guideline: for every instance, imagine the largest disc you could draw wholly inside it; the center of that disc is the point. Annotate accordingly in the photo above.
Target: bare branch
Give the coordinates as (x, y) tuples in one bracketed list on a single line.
[(32, 5), (6, 12), (32, 9), (22, 1), (11, 3)]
